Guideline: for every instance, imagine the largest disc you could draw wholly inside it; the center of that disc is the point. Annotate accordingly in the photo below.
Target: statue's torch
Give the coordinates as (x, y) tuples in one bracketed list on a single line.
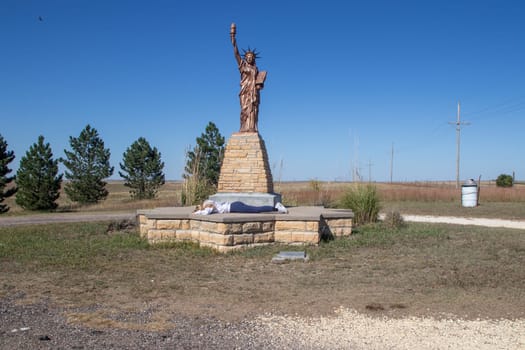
[(233, 30)]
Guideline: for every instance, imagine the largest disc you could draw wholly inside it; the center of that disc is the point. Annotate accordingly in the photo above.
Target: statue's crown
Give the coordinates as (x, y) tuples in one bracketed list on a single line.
[(252, 52)]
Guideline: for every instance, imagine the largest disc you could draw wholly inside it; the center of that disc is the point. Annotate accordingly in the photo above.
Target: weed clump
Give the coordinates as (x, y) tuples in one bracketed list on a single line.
[(364, 202), (121, 226), (393, 220)]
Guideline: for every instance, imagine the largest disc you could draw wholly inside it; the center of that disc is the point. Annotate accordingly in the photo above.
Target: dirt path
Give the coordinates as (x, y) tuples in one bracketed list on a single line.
[(35, 219), (130, 215), (517, 224)]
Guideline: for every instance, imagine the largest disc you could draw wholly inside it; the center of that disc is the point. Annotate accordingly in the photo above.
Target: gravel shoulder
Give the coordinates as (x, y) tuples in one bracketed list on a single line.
[(516, 224), (128, 215), (40, 326), (35, 219)]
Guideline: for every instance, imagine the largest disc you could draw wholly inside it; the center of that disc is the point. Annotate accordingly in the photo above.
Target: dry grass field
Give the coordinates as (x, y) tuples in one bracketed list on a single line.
[(426, 198), (117, 200)]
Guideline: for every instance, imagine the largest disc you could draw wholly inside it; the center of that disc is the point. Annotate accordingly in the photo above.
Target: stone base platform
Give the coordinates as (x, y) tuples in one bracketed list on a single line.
[(226, 232)]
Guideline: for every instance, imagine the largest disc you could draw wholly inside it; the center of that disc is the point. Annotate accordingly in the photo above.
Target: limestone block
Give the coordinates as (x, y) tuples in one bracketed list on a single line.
[(223, 248), (195, 235), (339, 222), (150, 224), (185, 224), (184, 235), (168, 224), (143, 230), (268, 226), (238, 153), (283, 236), (312, 226), (195, 224), (290, 225), (242, 171), (229, 228), (209, 226), (251, 227), (305, 237), (242, 239), (143, 219), (218, 239), (265, 237), (154, 235), (169, 235), (204, 236)]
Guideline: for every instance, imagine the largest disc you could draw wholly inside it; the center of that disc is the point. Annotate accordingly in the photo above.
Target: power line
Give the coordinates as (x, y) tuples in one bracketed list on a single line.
[(508, 106)]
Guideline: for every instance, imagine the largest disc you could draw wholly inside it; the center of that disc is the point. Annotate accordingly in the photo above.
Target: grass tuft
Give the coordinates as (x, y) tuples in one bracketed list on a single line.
[(364, 202)]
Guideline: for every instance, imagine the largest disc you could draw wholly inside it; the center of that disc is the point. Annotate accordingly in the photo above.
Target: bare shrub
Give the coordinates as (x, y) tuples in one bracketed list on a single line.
[(196, 187), (121, 226), (394, 220)]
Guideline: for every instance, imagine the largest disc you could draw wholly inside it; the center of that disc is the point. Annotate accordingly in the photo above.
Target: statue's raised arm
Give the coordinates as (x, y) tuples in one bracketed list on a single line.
[(233, 31), (252, 81)]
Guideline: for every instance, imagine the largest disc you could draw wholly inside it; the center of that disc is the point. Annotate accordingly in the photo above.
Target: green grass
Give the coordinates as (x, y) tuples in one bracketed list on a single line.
[(185, 247), (64, 245), (379, 236), (85, 245), (375, 235), (80, 246)]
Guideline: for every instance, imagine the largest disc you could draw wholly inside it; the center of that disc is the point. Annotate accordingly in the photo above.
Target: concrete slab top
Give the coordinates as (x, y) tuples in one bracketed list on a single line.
[(294, 214)]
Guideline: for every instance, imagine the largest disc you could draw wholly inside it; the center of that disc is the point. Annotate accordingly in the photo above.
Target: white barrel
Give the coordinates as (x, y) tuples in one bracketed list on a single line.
[(469, 195)]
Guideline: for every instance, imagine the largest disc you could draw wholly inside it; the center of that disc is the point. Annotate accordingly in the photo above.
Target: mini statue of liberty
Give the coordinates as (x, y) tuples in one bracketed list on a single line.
[(252, 82)]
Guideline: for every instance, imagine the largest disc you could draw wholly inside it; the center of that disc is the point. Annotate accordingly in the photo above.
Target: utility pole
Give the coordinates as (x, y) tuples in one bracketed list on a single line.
[(356, 176), (370, 171), (392, 163), (458, 124)]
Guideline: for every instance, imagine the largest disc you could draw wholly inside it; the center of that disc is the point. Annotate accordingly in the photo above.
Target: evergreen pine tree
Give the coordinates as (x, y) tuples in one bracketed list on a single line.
[(207, 155), (203, 165), (142, 169), (88, 165), (37, 179), (6, 157)]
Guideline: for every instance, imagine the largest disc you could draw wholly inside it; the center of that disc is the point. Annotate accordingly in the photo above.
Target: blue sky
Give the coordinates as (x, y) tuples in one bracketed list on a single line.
[(347, 81)]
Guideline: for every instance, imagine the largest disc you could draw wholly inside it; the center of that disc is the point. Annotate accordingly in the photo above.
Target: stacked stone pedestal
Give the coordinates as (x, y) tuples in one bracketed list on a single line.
[(226, 232), (245, 172)]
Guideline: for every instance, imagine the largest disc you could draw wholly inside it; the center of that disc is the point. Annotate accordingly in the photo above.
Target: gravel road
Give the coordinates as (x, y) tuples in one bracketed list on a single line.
[(41, 326)]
